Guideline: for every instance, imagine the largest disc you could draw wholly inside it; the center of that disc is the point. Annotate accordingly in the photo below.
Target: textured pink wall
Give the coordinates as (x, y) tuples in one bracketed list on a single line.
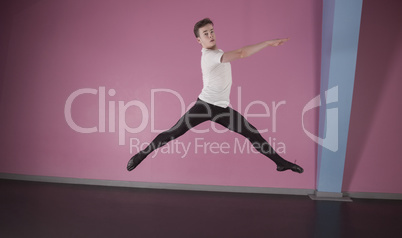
[(131, 48), (373, 160)]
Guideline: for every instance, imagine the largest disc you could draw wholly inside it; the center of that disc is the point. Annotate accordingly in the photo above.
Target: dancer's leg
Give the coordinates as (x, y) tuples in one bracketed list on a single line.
[(197, 114), (234, 121)]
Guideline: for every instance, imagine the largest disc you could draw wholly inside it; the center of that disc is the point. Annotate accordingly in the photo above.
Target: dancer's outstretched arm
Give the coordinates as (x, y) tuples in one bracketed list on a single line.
[(250, 50)]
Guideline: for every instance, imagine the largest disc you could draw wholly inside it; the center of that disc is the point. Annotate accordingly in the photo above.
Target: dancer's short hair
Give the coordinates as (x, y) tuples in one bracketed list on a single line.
[(200, 24)]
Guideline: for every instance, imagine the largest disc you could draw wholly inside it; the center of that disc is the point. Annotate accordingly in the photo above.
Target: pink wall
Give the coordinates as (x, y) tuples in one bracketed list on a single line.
[(373, 160), (131, 48)]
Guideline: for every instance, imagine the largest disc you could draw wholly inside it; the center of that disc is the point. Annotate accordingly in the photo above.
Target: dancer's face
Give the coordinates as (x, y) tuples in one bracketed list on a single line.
[(207, 37)]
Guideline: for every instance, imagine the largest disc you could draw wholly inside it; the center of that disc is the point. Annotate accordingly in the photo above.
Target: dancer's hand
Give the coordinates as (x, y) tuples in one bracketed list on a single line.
[(278, 42)]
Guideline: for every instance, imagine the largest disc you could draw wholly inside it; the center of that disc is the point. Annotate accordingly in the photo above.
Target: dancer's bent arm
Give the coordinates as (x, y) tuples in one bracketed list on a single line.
[(250, 50)]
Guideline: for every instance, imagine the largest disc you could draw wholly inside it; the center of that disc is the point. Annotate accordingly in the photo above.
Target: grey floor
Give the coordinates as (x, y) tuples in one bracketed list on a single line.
[(33, 209)]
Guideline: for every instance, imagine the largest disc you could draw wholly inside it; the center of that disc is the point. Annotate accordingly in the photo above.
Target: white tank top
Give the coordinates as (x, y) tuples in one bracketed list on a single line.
[(216, 77)]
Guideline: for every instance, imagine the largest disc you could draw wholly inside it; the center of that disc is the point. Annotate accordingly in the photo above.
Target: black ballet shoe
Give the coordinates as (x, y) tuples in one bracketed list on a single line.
[(294, 167), (135, 161)]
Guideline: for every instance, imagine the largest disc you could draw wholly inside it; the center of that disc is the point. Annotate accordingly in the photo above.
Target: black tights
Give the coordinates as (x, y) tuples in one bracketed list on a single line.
[(227, 117)]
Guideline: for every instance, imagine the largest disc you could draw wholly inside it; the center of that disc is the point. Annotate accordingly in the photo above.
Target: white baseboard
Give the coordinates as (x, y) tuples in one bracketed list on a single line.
[(190, 187)]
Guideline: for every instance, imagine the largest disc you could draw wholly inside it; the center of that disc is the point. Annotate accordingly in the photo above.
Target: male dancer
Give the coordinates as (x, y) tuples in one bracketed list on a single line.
[(212, 103)]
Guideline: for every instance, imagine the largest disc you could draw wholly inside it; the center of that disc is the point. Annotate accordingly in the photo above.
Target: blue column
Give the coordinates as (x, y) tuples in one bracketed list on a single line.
[(340, 35)]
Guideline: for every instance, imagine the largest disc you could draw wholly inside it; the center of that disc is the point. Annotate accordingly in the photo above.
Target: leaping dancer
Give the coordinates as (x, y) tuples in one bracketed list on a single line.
[(213, 102)]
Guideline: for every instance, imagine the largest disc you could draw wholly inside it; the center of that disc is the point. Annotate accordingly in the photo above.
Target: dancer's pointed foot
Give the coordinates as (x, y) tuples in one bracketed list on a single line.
[(135, 161), (294, 167)]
